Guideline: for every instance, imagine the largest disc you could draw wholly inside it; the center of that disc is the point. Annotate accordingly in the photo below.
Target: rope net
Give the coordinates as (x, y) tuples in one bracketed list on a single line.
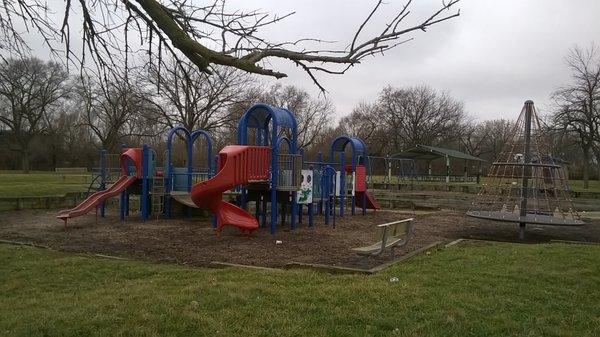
[(526, 183)]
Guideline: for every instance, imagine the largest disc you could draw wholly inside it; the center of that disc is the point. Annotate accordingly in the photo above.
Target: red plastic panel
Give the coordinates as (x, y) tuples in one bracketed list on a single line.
[(135, 155), (238, 165), (361, 178)]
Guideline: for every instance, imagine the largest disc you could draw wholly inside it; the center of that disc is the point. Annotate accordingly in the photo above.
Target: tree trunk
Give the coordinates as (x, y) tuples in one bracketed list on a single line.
[(597, 154), (586, 167), (25, 160)]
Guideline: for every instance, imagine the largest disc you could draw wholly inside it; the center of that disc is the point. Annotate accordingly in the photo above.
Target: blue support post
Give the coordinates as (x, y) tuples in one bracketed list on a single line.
[(122, 205), (190, 158), (257, 210), (364, 203), (168, 184), (310, 215), (294, 213), (321, 181), (342, 187), (243, 197), (284, 212), (214, 216), (126, 198), (294, 206), (145, 196), (263, 213), (329, 174)]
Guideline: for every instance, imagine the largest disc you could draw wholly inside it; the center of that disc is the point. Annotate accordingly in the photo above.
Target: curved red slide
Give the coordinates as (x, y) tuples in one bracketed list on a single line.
[(131, 155), (238, 165), (97, 198)]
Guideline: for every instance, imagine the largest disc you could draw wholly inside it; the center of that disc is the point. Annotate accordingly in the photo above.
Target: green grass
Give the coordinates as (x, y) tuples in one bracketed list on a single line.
[(475, 289), (44, 183), (35, 184), (577, 185)]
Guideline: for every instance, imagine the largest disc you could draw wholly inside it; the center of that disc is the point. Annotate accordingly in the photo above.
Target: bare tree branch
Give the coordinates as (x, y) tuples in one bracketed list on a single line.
[(207, 34)]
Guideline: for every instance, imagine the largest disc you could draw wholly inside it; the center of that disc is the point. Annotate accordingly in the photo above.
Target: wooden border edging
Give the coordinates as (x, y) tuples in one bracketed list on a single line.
[(405, 257), (247, 266), (455, 242), (591, 243), (112, 257), (327, 268), (30, 244)]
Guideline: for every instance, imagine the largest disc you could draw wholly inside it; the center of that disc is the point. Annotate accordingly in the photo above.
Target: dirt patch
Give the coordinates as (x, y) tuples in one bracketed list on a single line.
[(192, 241)]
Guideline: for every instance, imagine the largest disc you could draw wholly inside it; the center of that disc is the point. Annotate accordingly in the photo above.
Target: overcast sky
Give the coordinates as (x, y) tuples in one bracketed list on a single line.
[(493, 57)]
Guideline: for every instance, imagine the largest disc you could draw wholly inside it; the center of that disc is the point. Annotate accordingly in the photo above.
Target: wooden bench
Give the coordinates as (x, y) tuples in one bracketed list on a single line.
[(391, 235)]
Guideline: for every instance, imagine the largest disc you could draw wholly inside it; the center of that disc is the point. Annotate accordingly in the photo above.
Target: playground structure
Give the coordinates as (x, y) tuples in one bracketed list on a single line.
[(178, 181), (527, 185), (264, 167), (135, 168)]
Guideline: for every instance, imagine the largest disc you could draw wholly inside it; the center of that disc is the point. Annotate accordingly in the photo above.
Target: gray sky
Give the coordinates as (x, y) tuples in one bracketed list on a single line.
[(493, 57)]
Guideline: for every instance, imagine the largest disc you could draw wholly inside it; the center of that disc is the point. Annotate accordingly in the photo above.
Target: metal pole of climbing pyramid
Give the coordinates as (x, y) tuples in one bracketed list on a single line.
[(526, 184)]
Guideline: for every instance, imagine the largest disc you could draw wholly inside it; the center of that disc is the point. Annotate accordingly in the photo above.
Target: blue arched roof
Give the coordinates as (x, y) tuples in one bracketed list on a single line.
[(339, 144), (258, 116)]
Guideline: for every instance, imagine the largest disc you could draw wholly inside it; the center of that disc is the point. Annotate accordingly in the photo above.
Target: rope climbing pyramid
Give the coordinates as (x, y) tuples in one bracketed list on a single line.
[(526, 184)]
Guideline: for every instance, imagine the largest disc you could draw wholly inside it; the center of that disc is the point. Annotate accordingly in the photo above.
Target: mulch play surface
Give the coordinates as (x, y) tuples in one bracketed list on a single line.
[(191, 240)]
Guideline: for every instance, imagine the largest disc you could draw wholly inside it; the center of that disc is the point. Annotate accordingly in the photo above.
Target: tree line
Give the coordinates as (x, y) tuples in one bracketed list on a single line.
[(50, 118)]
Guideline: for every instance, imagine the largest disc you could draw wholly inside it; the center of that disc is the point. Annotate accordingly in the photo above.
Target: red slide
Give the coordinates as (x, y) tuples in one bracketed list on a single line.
[(371, 202), (238, 165), (129, 156), (97, 198)]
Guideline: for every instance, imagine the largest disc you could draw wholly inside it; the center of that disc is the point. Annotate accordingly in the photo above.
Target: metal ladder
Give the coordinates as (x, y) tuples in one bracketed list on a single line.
[(158, 193)]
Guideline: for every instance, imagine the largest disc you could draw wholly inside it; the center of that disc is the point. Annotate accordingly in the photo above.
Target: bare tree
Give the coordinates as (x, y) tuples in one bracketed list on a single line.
[(486, 139), (207, 34), (364, 123), (29, 88), (111, 110), (578, 104), (313, 115), (419, 115), (195, 99)]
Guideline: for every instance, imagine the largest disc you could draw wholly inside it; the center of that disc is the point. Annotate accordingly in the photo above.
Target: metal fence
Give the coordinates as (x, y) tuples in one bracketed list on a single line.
[(289, 175), (390, 170)]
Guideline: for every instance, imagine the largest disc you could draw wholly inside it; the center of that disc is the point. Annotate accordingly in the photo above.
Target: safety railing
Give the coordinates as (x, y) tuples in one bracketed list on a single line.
[(179, 179), (289, 173), (443, 178)]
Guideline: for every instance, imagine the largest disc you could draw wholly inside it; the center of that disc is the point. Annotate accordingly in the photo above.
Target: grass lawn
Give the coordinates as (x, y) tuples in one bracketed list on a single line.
[(475, 289), (35, 184), (577, 185), (47, 183)]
